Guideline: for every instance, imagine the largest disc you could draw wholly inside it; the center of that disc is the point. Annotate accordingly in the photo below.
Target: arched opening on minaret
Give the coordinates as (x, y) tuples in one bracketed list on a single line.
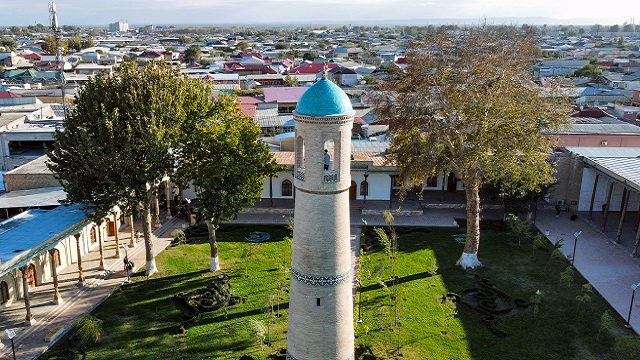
[(300, 158), (332, 174)]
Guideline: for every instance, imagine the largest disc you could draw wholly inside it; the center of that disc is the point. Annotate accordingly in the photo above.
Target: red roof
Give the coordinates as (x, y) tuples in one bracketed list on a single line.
[(263, 69), (358, 120), (248, 104), (402, 60), (151, 54), (311, 68), (9, 94), (32, 56), (380, 122), (592, 112)]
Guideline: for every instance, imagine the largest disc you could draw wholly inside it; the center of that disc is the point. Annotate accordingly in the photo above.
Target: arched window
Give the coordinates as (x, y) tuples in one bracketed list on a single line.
[(93, 235), (287, 188), (364, 188), (4, 292), (56, 257), (432, 181)]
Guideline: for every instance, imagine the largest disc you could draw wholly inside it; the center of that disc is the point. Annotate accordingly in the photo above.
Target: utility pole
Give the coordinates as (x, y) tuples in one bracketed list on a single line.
[(57, 34)]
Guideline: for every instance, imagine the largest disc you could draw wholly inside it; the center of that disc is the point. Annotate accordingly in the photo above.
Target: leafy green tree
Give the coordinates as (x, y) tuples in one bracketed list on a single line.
[(614, 28), (184, 40), (121, 139), (8, 44), (192, 54), (309, 55), (87, 43), (74, 43), (242, 45), (467, 102), (289, 81), (51, 47), (592, 71), (223, 158), (621, 42)]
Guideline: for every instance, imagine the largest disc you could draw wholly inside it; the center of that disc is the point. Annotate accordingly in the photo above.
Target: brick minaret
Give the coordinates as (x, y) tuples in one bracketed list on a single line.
[(321, 302)]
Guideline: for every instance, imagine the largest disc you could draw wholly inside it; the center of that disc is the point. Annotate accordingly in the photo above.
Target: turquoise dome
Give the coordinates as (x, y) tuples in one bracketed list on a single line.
[(322, 99)]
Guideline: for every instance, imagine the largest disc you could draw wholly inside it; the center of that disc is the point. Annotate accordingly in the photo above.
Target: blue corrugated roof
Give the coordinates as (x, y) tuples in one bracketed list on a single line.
[(324, 98), (34, 231)]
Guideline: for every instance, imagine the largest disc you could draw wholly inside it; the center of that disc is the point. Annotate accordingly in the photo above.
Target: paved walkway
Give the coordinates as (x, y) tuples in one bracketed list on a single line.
[(607, 265), (78, 299)]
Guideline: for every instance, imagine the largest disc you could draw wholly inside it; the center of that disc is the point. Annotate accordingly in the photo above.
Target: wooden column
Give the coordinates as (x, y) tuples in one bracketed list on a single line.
[(56, 293), (593, 196), (27, 302), (391, 178), (270, 190), (608, 205), (80, 275), (166, 191), (132, 244), (101, 246), (625, 202), (637, 243), (157, 211), (117, 235)]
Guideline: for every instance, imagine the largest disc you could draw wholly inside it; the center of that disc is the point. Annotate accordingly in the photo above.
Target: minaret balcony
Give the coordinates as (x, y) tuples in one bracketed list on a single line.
[(300, 173), (330, 176)]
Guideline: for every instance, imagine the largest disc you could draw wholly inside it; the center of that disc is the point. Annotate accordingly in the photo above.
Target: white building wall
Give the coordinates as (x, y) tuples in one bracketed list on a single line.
[(277, 185), (586, 190)]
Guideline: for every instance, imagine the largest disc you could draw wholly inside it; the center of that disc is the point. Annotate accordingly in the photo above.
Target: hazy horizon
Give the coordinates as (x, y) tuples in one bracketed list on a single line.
[(316, 12)]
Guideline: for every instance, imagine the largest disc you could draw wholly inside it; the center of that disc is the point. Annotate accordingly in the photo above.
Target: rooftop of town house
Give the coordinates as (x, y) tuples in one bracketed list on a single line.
[(283, 94)]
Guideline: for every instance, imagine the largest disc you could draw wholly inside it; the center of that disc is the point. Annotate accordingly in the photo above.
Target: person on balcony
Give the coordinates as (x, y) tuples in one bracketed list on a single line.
[(327, 159)]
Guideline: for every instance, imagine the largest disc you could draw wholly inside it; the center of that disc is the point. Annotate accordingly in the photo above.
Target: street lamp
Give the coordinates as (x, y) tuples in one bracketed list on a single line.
[(575, 241), (11, 334), (359, 299), (633, 293)]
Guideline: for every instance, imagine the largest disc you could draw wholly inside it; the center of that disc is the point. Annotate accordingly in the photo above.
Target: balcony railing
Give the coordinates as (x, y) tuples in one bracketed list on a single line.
[(330, 176), (300, 173)]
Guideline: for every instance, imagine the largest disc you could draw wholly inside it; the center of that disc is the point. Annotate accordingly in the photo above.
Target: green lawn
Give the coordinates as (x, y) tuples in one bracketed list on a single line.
[(141, 321)]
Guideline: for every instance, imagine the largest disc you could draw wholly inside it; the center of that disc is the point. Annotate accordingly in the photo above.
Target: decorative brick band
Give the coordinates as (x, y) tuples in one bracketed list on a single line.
[(332, 192), (338, 119), (321, 280), (291, 357)]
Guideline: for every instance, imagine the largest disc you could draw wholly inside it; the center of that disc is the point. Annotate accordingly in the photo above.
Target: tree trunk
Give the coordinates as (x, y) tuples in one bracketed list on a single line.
[(146, 229), (213, 242), (469, 258)]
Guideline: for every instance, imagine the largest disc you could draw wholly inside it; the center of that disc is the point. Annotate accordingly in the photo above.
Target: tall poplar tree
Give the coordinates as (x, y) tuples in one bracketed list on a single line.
[(467, 103), (226, 162), (119, 141)]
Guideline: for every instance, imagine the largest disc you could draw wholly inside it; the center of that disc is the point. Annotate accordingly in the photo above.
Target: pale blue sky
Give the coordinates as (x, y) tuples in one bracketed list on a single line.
[(90, 12)]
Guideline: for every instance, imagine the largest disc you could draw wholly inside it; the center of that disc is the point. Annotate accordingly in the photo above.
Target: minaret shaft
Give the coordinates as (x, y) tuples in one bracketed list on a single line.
[(321, 300)]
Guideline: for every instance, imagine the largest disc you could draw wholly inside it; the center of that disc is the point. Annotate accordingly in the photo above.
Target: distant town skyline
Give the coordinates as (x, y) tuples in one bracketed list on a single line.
[(315, 12)]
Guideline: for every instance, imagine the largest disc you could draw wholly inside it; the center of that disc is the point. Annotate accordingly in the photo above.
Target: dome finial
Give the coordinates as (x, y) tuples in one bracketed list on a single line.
[(324, 72)]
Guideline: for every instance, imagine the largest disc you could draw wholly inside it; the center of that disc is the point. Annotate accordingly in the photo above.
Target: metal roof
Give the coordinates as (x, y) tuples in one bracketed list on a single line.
[(603, 152), (625, 170), (621, 164), (25, 199), (45, 229), (600, 129)]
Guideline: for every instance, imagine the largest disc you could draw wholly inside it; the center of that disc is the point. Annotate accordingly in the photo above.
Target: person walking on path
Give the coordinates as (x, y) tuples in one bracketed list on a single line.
[(327, 159)]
